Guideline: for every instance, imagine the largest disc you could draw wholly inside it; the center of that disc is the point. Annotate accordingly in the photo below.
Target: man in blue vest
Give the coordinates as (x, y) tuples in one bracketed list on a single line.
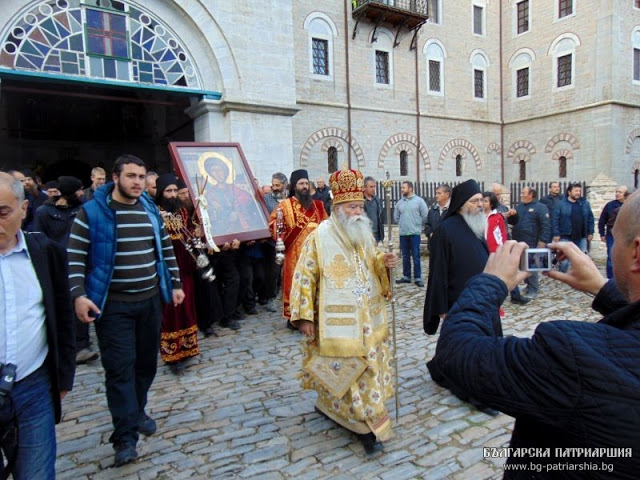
[(121, 265)]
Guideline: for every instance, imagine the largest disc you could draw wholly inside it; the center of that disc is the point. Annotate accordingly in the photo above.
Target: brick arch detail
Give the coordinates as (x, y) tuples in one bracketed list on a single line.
[(632, 136), (332, 142), (404, 139), (459, 151), (520, 157), (493, 148), (568, 154), (329, 132), (526, 144), (464, 145), (562, 137), (404, 146)]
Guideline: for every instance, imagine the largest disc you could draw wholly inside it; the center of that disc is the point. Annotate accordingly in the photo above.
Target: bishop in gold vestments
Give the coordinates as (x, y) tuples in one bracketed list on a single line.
[(338, 301)]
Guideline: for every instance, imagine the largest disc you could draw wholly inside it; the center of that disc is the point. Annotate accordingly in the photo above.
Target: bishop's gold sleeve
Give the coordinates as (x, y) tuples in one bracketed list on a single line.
[(304, 283), (382, 273)]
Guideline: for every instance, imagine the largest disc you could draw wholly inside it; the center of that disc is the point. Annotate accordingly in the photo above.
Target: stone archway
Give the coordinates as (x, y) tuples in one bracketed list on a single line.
[(462, 144), (407, 139), (329, 132)]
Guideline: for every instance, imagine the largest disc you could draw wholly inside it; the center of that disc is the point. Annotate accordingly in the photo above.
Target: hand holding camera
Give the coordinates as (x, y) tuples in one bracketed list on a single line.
[(583, 274), (513, 261)]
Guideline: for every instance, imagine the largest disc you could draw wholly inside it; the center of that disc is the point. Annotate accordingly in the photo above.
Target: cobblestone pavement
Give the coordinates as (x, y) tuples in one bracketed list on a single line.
[(238, 410)]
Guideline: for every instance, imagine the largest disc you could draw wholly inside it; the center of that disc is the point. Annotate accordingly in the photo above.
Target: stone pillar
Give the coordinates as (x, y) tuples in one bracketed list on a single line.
[(209, 122), (601, 190)]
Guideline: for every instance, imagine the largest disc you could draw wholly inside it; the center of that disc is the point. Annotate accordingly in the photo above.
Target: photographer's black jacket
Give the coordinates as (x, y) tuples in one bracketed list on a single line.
[(572, 384)]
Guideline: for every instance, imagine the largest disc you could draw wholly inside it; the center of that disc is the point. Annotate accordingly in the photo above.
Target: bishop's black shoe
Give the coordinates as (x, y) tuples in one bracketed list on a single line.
[(370, 443)]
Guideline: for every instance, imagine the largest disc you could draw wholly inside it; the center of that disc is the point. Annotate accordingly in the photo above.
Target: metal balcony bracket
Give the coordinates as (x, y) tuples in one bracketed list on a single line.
[(414, 40), (396, 41), (379, 20), (355, 27)]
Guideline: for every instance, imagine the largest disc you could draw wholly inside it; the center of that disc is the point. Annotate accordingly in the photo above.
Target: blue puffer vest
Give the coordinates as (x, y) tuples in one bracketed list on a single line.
[(102, 252)]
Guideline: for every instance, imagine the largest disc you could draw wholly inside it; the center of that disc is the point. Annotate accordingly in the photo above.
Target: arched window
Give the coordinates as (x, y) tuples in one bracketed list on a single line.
[(321, 32), (332, 159), (563, 50), (562, 167), (636, 173), (520, 65), (458, 165), (479, 65), (523, 170), (404, 166), (435, 55), (383, 59)]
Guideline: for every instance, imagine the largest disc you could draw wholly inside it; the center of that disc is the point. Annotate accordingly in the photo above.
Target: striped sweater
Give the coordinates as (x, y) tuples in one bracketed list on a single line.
[(135, 275)]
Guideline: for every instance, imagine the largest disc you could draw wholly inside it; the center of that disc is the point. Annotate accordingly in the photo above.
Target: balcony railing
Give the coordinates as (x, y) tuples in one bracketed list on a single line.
[(414, 6)]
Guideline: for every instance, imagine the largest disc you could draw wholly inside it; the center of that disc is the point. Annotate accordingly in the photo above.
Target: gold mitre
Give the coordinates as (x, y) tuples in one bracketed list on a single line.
[(347, 186)]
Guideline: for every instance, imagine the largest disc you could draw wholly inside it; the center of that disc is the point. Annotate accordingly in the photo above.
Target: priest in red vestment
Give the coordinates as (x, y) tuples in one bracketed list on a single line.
[(301, 215), (179, 335)]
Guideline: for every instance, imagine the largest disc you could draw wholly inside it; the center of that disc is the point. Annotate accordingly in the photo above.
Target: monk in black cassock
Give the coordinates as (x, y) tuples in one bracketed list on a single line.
[(458, 251)]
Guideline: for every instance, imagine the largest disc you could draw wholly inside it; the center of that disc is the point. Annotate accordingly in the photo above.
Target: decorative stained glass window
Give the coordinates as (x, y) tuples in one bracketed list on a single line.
[(108, 39), (106, 34)]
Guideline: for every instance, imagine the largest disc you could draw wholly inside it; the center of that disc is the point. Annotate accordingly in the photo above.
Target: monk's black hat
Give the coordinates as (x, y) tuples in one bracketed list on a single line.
[(162, 183), (460, 195), (295, 176), (68, 185)]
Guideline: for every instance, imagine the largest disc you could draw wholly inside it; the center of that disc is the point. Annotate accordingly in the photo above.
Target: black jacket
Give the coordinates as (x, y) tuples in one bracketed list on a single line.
[(50, 264), (531, 223), (433, 220), (55, 222), (572, 384)]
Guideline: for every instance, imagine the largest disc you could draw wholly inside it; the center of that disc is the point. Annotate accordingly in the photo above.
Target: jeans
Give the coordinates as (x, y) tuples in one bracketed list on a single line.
[(609, 239), (410, 247), (582, 245), (31, 399), (129, 338)]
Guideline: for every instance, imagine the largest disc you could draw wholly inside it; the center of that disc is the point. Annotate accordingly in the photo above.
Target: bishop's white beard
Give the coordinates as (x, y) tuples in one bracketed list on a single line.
[(477, 222), (358, 228)]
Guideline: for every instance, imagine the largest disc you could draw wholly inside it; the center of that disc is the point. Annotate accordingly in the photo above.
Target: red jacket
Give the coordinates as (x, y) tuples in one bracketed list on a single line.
[(496, 231)]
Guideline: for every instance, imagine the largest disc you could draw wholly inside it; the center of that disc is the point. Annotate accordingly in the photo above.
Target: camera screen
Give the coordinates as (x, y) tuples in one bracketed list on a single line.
[(538, 260)]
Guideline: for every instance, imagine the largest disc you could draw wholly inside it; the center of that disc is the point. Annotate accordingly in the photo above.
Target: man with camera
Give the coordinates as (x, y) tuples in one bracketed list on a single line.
[(572, 384), (532, 226), (37, 340)]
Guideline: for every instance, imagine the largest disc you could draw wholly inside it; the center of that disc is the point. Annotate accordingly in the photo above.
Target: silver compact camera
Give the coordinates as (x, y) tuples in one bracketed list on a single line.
[(537, 260)]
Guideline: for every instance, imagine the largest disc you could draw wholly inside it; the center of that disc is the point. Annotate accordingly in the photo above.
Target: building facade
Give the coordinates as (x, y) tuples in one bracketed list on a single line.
[(495, 90)]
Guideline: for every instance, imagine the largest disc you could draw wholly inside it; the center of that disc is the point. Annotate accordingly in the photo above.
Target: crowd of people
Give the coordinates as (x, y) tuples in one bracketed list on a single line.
[(126, 255)]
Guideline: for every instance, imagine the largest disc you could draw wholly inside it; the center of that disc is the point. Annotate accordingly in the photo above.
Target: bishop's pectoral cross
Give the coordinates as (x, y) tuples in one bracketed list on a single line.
[(363, 285)]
